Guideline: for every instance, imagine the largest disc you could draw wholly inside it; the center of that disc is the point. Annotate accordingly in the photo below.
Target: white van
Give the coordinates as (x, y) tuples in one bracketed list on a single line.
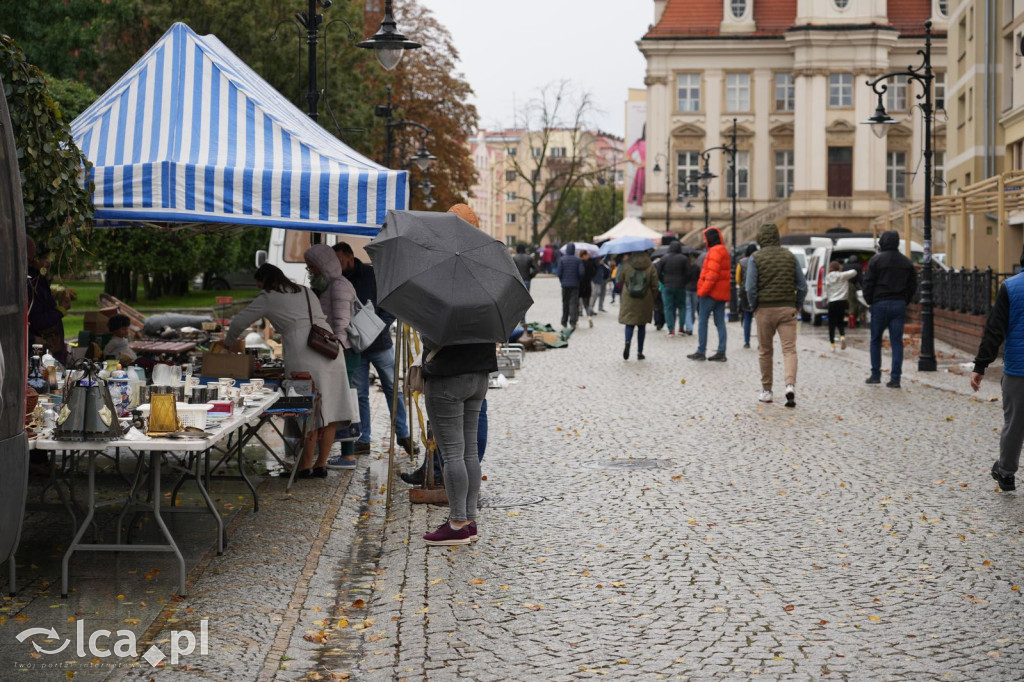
[(802, 246), (863, 248), (287, 246)]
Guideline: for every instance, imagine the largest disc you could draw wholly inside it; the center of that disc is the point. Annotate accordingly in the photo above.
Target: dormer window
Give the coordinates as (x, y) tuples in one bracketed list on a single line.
[(738, 8), (841, 4), (738, 16)]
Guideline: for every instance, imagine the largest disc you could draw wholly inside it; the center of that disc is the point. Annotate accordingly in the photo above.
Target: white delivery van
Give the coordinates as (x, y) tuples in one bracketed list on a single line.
[(287, 246)]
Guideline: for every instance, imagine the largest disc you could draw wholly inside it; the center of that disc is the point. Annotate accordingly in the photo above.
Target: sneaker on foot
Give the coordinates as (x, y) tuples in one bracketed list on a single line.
[(473, 536), (362, 448), (1006, 483), (671, 332), (641, 356), (892, 384), (873, 379), (340, 462), (833, 346), (696, 356), (765, 397), (842, 343), (717, 357), (446, 535), (625, 352), (746, 345), (790, 395)]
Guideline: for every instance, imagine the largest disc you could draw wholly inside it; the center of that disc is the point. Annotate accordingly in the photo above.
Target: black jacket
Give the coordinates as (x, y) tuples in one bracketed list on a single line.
[(527, 268), (674, 268), (365, 284), (890, 275), (996, 327), (470, 358)]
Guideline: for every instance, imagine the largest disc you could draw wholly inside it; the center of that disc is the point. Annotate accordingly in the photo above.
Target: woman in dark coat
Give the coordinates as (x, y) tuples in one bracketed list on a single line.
[(636, 307)]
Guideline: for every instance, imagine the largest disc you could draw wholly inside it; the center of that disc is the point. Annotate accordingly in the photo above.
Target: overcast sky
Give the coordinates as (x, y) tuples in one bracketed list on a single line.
[(509, 50)]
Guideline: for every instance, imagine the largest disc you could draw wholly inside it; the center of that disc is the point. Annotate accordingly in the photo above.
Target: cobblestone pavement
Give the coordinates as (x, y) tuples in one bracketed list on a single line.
[(857, 536)]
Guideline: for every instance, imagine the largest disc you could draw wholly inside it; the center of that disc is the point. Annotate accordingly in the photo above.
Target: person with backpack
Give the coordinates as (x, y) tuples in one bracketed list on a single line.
[(746, 312), (673, 272), (713, 290), (639, 281)]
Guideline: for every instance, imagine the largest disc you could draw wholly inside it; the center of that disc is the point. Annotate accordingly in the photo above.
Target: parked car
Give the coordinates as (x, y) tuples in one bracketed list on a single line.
[(863, 248), (802, 245)]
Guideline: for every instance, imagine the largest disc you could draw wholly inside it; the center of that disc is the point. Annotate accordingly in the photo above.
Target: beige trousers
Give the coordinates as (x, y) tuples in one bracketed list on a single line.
[(771, 320)]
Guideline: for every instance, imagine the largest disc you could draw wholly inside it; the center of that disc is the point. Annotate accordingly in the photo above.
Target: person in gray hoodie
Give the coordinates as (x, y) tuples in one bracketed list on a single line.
[(570, 274)]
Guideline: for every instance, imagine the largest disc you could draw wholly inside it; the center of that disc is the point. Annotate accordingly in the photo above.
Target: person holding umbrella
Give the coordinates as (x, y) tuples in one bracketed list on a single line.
[(461, 290), (639, 280)]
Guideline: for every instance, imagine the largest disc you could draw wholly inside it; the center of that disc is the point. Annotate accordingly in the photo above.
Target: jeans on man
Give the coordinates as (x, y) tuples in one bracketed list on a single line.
[(887, 315), (707, 307), (691, 309), (570, 306), (674, 303), (384, 362), (747, 317)]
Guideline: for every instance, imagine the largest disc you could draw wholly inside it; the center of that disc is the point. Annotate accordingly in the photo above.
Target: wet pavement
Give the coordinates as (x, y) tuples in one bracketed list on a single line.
[(683, 531)]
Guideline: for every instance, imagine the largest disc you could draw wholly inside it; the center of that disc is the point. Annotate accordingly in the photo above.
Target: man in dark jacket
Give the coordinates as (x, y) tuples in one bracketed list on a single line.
[(381, 353), (527, 268), (673, 273), (1006, 323), (889, 285), (570, 274)]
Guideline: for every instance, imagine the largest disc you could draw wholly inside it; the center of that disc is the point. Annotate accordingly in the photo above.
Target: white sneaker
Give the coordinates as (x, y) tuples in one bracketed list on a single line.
[(790, 395), (842, 343), (766, 397)]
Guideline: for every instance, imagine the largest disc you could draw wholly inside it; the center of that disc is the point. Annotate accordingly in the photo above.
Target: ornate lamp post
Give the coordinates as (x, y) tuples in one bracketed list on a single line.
[(388, 44), (706, 177), (668, 178), (880, 122), (423, 159)]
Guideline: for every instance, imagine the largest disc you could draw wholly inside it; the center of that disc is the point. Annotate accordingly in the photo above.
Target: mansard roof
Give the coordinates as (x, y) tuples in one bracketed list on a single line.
[(703, 18)]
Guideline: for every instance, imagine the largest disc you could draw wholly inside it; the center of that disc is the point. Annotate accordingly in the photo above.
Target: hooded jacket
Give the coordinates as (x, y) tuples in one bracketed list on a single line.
[(890, 275), (774, 278), (674, 268), (637, 311), (716, 274), (570, 268), (337, 298)]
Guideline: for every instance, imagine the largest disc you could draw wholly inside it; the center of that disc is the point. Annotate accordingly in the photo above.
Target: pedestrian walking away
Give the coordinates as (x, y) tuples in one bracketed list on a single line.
[(600, 284), (746, 312), (1005, 325), (547, 259), (639, 282), (587, 286), (570, 274), (889, 285), (526, 266), (380, 355), (837, 286), (714, 288), (673, 273), (776, 288), (693, 276)]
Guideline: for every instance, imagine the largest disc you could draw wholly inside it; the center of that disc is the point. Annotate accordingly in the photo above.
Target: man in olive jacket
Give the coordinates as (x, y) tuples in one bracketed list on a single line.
[(776, 288)]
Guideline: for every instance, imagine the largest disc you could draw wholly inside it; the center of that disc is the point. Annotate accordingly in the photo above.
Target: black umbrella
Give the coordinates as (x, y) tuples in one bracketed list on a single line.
[(448, 280)]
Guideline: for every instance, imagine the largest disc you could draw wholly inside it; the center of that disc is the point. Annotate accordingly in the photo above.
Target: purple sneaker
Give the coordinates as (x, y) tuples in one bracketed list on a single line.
[(473, 537), (446, 535)]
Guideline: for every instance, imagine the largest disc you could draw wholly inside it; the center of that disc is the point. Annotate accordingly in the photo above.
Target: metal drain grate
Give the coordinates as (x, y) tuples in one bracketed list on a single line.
[(501, 501), (628, 464)]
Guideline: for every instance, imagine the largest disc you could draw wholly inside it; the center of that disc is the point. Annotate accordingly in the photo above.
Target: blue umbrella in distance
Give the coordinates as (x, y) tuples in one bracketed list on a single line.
[(626, 245)]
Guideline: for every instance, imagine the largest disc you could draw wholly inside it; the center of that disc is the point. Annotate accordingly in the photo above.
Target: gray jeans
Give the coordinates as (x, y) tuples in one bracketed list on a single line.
[(1012, 437), (453, 407)]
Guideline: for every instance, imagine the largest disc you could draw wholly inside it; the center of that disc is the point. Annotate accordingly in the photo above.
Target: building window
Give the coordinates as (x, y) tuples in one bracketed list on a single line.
[(737, 92), (841, 4), (687, 168), (783, 173), (840, 90), (688, 92), (510, 196), (510, 176), (896, 175), (940, 90), (738, 8), (742, 177), (944, 8), (510, 217), (557, 152), (939, 172), (511, 151), (785, 92), (536, 152), (896, 95)]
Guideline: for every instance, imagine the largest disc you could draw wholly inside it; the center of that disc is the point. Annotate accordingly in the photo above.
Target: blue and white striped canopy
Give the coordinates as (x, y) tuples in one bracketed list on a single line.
[(192, 134)]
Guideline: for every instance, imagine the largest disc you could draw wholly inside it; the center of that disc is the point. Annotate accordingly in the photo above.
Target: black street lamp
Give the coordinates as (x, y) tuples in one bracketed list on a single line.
[(601, 181), (423, 159), (704, 179), (667, 156), (880, 122), (388, 44)]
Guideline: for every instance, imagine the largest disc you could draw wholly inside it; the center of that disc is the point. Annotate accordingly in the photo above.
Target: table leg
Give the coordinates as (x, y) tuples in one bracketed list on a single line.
[(154, 463), (211, 506), (132, 494), (81, 529)]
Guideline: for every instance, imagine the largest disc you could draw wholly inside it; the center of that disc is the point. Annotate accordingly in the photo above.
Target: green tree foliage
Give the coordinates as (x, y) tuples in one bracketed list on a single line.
[(588, 213), (72, 97), (56, 208)]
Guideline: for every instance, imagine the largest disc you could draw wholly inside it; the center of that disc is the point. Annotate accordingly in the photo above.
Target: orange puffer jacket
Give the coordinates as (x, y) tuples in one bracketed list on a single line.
[(715, 278)]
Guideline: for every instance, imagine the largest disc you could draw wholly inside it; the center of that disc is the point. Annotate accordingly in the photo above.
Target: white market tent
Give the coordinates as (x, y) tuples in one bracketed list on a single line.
[(191, 134), (629, 227)]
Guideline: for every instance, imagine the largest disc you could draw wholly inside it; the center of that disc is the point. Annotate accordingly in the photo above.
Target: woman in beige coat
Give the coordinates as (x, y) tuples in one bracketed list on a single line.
[(639, 281)]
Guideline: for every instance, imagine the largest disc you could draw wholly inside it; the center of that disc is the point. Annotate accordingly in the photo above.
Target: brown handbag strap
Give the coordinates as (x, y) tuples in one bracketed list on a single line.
[(309, 308)]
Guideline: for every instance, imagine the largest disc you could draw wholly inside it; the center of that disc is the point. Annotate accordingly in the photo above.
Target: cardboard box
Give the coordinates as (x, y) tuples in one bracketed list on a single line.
[(95, 321), (234, 365), (548, 337)]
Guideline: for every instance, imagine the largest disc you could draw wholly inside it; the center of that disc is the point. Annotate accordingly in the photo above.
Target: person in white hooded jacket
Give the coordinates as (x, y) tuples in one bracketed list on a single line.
[(837, 289)]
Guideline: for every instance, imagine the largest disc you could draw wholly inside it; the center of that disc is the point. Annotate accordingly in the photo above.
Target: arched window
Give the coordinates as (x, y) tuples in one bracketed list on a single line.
[(841, 4), (738, 8), (944, 7)]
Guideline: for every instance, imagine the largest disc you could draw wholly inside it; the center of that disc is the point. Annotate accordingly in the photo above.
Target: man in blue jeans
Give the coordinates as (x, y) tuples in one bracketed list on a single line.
[(380, 354), (889, 285)]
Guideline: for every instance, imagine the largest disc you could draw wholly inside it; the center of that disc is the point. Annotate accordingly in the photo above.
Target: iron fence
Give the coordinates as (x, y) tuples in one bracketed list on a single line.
[(966, 291)]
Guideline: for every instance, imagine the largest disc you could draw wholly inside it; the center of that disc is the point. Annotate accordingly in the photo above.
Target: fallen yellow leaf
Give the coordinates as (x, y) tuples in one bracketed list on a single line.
[(476, 581), (876, 619)]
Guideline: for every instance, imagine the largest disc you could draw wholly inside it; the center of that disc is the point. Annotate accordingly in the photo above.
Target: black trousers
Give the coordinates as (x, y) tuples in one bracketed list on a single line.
[(836, 319), (570, 305)]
